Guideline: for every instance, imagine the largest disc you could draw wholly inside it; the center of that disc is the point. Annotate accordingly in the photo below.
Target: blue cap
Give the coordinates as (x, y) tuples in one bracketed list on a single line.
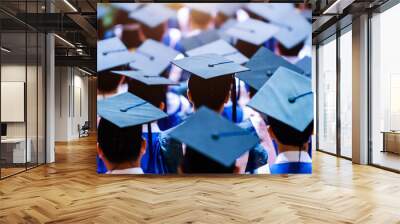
[(152, 57), (126, 110), (153, 14), (307, 13), (200, 39), (127, 7), (149, 80), (272, 12), (215, 137), (221, 48), (287, 97), (112, 53), (294, 30), (229, 9), (253, 31), (305, 65), (262, 66), (224, 27), (209, 65)]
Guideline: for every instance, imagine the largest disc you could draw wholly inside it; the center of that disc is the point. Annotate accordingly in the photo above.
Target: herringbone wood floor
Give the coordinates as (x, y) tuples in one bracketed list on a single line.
[(70, 191)]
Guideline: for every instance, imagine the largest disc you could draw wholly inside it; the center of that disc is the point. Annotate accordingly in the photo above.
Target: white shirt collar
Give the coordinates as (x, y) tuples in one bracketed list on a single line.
[(134, 170), (293, 156)]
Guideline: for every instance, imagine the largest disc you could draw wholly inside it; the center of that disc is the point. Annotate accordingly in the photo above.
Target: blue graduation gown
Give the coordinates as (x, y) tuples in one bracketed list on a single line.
[(227, 113), (153, 161), (101, 167), (292, 168), (258, 156), (172, 120)]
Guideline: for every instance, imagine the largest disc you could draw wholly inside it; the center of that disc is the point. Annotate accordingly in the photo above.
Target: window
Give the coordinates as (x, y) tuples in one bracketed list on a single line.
[(346, 75), (385, 89), (327, 96)]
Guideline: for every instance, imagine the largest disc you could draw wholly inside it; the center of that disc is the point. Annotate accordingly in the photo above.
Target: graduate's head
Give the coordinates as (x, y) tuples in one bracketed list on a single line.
[(119, 145), (154, 94), (220, 19), (195, 162), (252, 92), (107, 83), (293, 52), (199, 20), (155, 33), (246, 48), (212, 93), (131, 35), (287, 135)]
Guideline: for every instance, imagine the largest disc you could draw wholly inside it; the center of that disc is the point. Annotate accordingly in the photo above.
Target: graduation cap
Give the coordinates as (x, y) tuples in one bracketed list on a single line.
[(149, 80), (294, 30), (127, 110), (307, 13), (221, 48), (212, 65), (127, 7), (200, 39), (209, 65), (214, 136), (152, 15), (152, 57), (305, 65), (253, 31), (287, 97), (262, 66), (112, 53), (224, 27), (272, 12), (229, 9)]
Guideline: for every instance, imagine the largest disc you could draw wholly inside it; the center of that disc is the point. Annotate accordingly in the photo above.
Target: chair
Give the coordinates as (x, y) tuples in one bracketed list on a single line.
[(84, 130)]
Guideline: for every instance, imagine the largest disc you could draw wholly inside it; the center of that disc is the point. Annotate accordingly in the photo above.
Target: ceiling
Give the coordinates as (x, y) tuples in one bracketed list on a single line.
[(72, 20), (330, 15)]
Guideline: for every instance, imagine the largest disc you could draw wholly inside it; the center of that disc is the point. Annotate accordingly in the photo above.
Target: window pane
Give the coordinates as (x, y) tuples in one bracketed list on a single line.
[(346, 94), (327, 97), (385, 89)]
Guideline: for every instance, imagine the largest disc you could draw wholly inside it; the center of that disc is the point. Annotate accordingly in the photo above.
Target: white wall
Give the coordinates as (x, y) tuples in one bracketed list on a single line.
[(33, 127), (16, 73), (71, 94)]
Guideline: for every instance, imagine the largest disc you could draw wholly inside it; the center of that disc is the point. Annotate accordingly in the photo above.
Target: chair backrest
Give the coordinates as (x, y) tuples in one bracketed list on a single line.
[(86, 125)]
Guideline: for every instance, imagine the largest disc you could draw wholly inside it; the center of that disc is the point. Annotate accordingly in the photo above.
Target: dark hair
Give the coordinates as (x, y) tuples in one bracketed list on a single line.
[(194, 162), (294, 51), (288, 135), (246, 48), (210, 92), (131, 35), (252, 91), (107, 82), (119, 144), (155, 33), (153, 94)]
